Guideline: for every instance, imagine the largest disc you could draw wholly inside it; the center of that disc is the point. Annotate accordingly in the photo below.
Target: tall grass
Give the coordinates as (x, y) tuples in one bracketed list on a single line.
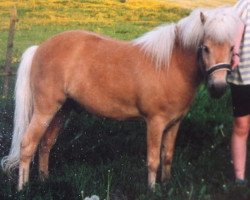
[(105, 157)]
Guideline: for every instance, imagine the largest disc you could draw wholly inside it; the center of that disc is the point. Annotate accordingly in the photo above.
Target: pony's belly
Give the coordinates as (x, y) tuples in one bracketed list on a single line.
[(113, 110)]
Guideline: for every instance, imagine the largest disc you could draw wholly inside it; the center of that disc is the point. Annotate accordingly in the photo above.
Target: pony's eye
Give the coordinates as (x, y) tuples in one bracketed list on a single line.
[(205, 49)]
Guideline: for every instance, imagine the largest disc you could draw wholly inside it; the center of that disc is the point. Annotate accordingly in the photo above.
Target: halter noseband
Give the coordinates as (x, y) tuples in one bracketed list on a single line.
[(212, 69), (217, 67)]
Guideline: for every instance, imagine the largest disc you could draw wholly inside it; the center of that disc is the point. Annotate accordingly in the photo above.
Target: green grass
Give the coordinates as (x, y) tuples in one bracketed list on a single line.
[(108, 158)]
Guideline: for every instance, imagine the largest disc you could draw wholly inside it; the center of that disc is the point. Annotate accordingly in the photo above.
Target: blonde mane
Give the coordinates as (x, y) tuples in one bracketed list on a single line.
[(220, 25)]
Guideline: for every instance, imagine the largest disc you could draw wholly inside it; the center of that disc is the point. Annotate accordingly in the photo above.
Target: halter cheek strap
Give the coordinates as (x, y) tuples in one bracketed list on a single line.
[(217, 67), (212, 69)]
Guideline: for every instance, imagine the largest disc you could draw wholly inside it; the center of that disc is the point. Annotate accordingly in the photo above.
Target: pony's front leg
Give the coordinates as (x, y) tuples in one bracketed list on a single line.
[(168, 145), (155, 129), (30, 141)]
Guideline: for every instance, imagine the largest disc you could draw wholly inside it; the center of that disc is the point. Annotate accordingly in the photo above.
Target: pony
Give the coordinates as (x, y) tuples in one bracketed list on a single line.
[(153, 77)]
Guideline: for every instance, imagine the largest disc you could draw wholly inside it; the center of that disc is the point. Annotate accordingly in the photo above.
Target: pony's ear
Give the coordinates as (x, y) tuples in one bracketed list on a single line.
[(203, 18)]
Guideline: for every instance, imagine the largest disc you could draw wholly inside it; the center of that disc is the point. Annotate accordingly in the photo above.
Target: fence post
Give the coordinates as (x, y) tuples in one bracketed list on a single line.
[(13, 20)]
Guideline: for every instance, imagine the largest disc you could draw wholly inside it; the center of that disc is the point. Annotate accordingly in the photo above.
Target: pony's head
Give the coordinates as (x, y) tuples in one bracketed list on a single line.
[(213, 33), (216, 47), (215, 63)]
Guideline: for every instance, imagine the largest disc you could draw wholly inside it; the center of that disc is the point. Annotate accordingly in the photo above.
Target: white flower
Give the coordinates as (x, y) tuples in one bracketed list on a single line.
[(93, 197)]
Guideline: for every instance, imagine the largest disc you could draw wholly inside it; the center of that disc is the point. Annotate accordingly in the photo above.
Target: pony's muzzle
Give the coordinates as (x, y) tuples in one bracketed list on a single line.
[(216, 81), (216, 88)]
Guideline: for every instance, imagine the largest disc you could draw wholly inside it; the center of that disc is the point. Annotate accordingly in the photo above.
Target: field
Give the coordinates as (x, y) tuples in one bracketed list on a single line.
[(108, 158)]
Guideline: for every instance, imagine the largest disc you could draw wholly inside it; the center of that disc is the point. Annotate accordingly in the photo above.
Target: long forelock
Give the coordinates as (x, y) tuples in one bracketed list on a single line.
[(221, 25)]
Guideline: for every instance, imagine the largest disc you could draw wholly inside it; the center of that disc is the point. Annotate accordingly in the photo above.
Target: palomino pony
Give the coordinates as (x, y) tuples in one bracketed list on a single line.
[(154, 77)]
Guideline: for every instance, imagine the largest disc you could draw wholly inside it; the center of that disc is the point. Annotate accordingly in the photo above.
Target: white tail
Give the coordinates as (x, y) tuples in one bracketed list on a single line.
[(23, 109)]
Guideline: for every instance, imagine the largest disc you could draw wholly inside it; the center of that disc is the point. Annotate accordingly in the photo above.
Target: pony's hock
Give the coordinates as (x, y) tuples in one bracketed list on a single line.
[(154, 77)]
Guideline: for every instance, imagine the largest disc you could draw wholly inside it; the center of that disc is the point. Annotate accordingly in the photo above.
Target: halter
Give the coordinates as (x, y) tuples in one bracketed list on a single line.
[(218, 67), (212, 69)]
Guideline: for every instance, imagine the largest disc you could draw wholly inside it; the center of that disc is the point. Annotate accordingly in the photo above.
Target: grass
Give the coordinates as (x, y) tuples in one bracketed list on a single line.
[(199, 3), (108, 158)]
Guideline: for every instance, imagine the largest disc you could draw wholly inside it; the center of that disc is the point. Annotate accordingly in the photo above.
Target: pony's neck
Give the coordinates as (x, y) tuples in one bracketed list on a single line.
[(186, 61)]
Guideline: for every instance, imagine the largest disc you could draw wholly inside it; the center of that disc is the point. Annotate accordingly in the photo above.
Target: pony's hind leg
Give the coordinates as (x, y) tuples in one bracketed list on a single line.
[(168, 145), (49, 140), (38, 125), (30, 140)]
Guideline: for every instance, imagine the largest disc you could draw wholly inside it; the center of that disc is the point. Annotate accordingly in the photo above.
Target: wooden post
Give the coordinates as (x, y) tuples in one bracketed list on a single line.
[(6, 87), (13, 20)]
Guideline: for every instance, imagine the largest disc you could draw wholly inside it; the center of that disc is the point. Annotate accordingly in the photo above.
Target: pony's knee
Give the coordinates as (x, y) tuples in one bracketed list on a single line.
[(153, 164)]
